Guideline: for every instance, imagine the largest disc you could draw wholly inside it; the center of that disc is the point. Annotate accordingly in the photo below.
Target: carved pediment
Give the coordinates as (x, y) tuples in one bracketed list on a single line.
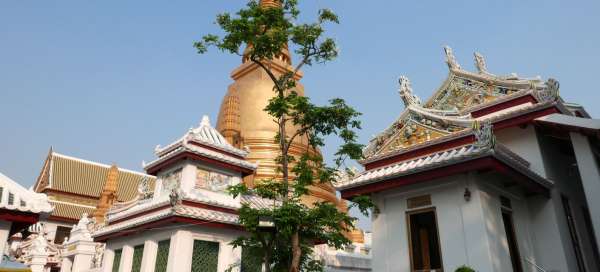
[(459, 93), (411, 134), (411, 129)]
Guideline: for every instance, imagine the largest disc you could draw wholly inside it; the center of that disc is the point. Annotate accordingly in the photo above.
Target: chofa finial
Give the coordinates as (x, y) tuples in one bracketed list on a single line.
[(450, 59), (480, 63), (406, 92)]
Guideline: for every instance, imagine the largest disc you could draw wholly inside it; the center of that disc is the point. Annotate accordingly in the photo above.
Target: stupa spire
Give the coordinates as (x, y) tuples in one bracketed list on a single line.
[(108, 195), (270, 3), (284, 56)]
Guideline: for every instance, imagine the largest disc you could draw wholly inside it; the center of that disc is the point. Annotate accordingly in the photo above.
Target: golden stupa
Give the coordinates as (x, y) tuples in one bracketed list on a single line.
[(244, 123)]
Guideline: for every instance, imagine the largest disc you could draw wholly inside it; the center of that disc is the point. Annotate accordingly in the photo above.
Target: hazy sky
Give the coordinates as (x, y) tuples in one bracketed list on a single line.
[(109, 80)]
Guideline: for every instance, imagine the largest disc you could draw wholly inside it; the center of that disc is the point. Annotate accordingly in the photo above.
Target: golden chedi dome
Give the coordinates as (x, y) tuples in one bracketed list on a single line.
[(244, 123)]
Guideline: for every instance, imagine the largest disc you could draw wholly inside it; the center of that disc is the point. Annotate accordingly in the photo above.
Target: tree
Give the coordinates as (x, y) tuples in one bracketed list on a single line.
[(266, 28)]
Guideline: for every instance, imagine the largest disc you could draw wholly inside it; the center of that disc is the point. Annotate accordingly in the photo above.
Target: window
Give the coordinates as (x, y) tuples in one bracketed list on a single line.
[(1, 193), (573, 232), (162, 256), (205, 256), (250, 263), (61, 234), (424, 242), (138, 253), (11, 199), (117, 260)]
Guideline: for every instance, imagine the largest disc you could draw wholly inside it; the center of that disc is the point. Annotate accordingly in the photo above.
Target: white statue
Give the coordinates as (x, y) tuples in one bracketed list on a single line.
[(39, 245), (81, 231)]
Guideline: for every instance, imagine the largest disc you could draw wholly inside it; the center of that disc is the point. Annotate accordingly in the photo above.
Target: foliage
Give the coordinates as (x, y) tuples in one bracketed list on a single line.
[(464, 268), (298, 226)]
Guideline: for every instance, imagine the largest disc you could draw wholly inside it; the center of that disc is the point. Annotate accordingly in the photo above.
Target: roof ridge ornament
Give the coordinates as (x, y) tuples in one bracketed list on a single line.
[(480, 63), (205, 121), (451, 59), (406, 92), (550, 92), (484, 134)]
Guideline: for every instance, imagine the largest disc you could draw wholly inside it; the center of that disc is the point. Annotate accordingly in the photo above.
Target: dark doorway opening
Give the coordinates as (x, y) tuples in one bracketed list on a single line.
[(513, 247), (424, 241)]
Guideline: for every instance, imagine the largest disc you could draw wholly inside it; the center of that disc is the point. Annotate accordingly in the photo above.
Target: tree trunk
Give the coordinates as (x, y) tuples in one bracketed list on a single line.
[(296, 253)]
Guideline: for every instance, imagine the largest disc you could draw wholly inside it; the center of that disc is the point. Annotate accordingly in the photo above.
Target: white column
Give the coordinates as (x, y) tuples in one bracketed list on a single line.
[(4, 231), (107, 262), (229, 256), (126, 259), (84, 257), (188, 177), (180, 252), (66, 264), (590, 177), (38, 262), (475, 233), (149, 258)]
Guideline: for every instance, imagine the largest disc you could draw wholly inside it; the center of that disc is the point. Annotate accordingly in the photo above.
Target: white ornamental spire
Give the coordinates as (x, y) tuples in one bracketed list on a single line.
[(205, 121)]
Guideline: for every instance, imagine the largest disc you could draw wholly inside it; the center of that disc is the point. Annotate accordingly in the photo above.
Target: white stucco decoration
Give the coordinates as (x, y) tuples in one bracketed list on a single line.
[(450, 59), (39, 245), (406, 92), (484, 134)]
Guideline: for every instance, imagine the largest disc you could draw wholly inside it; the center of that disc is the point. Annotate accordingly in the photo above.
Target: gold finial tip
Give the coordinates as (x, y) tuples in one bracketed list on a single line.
[(270, 3)]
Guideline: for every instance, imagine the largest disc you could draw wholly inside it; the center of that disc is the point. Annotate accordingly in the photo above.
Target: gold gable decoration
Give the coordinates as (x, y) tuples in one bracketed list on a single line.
[(460, 93), (448, 111), (411, 134)]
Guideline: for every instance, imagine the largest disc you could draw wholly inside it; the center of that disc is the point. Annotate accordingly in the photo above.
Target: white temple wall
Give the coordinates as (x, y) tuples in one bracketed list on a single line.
[(561, 168), (471, 232), (462, 232), (590, 176), (490, 193), (4, 231), (180, 251), (524, 142)]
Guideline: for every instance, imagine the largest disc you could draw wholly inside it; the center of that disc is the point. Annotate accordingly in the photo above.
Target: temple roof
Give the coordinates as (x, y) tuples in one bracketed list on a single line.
[(445, 133), (14, 197), (483, 146), (206, 141), (462, 99), (74, 185)]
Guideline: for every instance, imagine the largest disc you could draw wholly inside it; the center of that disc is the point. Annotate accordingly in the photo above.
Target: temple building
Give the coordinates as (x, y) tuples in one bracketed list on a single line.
[(76, 186), (494, 172), (186, 221), (19, 209)]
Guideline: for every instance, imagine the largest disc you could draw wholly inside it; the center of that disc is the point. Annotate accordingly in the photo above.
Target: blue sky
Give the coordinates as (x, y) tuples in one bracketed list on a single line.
[(109, 80)]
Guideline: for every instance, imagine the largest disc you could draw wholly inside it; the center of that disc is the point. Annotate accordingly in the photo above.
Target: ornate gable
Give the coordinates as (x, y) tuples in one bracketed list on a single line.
[(463, 89), (448, 111), (416, 125)]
